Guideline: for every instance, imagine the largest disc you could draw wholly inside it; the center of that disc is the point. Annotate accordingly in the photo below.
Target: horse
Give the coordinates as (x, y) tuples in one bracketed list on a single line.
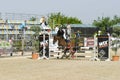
[(62, 42)]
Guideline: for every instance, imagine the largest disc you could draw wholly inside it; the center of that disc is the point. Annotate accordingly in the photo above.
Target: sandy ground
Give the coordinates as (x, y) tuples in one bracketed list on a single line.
[(25, 68)]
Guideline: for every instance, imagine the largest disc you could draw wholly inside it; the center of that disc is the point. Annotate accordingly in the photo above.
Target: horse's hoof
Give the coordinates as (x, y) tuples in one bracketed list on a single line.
[(67, 56), (61, 58), (57, 57)]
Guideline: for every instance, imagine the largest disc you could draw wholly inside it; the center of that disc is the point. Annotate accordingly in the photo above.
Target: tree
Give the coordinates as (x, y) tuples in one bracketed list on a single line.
[(35, 42), (32, 19), (116, 19), (116, 30), (103, 23), (36, 30), (60, 19), (115, 43)]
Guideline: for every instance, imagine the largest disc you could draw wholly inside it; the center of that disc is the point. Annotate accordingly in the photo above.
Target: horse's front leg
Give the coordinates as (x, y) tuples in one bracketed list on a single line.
[(68, 55), (71, 54), (64, 55)]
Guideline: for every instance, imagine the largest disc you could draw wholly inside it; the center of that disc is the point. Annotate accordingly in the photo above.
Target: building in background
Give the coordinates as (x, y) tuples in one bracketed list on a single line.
[(12, 28), (86, 30)]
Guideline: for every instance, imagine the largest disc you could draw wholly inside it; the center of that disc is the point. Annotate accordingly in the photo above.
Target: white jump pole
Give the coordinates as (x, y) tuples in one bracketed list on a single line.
[(95, 58), (43, 26), (109, 43)]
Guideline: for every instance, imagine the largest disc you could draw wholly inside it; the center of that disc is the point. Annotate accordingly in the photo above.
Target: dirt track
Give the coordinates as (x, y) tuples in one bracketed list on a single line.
[(24, 68)]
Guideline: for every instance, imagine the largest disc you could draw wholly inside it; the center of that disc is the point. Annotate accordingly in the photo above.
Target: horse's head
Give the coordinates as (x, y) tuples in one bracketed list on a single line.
[(55, 38)]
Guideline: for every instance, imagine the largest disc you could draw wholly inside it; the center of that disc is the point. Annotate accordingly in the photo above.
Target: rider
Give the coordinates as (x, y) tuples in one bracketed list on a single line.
[(60, 33), (63, 33), (67, 38)]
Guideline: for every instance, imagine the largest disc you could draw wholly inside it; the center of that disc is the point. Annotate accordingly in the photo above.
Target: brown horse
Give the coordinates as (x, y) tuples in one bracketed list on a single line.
[(61, 41), (64, 44)]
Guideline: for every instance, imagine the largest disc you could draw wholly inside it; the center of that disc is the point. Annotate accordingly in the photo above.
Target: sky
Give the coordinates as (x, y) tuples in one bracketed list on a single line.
[(85, 10)]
